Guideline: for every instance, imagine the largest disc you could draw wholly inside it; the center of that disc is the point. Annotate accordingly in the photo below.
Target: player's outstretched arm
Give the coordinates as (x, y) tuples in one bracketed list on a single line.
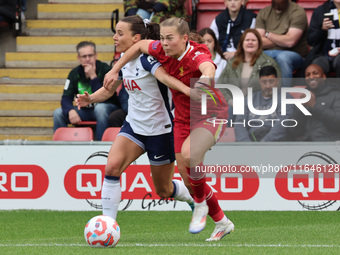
[(100, 95), (133, 52)]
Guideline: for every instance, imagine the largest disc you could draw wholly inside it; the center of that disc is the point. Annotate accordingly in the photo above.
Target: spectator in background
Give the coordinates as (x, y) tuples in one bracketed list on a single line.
[(86, 78), (243, 69), (155, 10), (23, 5), (229, 25), (323, 36), (283, 28), (7, 12), (210, 40), (264, 130), (23, 9), (324, 105)]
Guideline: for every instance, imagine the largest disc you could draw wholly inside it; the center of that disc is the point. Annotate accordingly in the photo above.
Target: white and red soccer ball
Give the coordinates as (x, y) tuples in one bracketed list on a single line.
[(102, 231)]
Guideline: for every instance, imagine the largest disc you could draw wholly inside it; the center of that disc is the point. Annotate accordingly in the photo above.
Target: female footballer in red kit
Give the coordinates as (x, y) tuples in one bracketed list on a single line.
[(194, 133)]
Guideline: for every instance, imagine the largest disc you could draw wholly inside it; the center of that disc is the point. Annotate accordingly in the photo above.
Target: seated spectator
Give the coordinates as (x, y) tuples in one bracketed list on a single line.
[(155, 10), (86, 78), (283, 26), (323, 36), (243, 69), (230, 24), (210, 40), (264, 130), (324, 105), (7, 12)]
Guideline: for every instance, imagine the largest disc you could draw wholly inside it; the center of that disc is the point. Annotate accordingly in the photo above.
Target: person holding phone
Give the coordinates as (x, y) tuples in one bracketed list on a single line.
[(323, 36)]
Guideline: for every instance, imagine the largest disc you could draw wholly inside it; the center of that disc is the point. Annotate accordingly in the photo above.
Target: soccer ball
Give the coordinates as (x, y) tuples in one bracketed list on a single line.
[(102, 231)]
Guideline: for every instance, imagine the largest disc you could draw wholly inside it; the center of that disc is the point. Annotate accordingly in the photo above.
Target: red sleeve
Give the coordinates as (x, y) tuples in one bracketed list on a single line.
[(155, 48), (204, 57)]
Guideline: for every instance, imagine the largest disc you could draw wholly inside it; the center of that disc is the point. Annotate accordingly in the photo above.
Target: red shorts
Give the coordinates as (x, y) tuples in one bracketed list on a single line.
[(182, 130)]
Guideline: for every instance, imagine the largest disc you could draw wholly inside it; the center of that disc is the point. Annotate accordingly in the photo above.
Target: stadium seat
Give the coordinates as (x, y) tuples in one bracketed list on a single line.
[(110, 134), (87, 123), (228, 136), (188, 7), (207, 10), (310, 6), (257, 5), (73, 134)]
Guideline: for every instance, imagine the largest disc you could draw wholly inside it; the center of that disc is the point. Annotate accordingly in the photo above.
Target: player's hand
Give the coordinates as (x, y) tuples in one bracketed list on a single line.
[(196, 94), (83, 100), (90, 71), (201, 86), (74, 117), (110, 79)]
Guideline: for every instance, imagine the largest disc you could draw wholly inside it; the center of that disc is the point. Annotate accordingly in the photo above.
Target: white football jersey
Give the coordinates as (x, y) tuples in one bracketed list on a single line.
[(149, 105)]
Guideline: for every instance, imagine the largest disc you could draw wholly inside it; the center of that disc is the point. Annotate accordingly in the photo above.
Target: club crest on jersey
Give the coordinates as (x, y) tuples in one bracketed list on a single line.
[(181, 70), (131, 85), (197, 53)]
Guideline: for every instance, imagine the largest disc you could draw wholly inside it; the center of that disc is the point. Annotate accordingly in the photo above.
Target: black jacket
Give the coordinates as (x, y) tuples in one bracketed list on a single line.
[(324, 123), (77, 81), (242, 22), (316, 37), (7, 9)]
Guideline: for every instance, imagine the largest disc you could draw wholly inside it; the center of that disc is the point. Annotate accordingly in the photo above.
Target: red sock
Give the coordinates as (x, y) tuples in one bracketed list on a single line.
[(215, 211), (197, 182)]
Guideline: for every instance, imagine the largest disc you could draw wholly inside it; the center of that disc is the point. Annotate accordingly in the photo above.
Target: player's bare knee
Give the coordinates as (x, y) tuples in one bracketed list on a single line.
[(186, 159), (190, 160), (113, 169)]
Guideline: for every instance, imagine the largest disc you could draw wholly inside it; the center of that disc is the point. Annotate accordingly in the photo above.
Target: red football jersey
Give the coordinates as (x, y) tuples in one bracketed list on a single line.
[(184, 69)]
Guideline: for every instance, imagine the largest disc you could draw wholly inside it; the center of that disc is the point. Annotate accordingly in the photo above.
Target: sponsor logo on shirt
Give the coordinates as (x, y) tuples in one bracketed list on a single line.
[(131, 85), (197, 53)]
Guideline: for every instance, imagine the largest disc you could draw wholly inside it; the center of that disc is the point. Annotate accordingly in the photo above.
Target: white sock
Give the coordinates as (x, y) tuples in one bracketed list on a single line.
[(181, 193), (111, 196), (204, 202)]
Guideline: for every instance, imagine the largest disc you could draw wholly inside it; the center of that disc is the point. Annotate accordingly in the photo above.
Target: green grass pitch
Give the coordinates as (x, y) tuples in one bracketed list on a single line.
[(150, 232)]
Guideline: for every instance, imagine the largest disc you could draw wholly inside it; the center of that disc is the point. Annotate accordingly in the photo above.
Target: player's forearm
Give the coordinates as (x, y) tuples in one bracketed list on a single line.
[(207, 69), (101, 95), (173, 83)]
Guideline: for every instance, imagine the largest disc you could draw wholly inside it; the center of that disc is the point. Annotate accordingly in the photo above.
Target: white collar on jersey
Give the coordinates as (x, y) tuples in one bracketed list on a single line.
[(189, 47)]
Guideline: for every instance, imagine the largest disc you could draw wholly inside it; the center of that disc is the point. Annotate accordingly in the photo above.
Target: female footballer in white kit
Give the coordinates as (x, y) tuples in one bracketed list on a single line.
[(148, 126)]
